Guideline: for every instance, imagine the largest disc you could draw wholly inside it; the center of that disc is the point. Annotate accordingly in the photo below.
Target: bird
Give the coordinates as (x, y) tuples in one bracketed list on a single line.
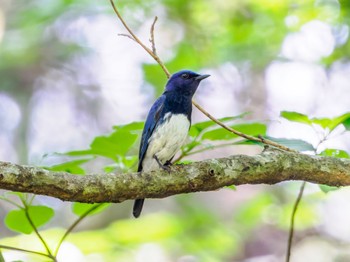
[(167, 125)]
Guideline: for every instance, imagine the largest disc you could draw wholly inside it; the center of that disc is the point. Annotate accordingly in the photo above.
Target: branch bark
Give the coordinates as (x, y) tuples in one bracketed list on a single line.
[(270, 167)]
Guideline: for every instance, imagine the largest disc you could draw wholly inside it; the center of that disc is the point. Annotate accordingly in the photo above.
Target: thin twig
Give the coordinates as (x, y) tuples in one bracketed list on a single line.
[(25, 208), (149, 51), (257, 139), (36, 231), (154, 50), (10, 202), (31, 199), (38, 234), (159, 61), (189, 152), (25, 250), (128, 36), (208, 148), (297, 201), (70, 229), (291, 228)]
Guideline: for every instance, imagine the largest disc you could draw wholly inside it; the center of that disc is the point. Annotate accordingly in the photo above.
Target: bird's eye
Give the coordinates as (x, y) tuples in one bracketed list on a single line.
[(185, 76)]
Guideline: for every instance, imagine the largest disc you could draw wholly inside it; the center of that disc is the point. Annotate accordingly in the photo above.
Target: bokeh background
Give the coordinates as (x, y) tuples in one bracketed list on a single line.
[(67, 77)]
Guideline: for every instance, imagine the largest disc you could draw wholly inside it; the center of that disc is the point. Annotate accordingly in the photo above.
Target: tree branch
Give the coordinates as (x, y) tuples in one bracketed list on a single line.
[(153, 53), (270, 167)]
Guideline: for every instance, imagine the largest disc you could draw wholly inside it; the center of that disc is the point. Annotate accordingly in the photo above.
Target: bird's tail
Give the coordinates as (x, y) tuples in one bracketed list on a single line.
[(138, 204)]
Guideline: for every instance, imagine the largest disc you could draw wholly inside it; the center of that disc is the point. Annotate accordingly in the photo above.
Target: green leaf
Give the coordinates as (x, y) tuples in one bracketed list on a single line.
[(326, 189), (16, 220), (336, 121), (20, 195), (72, 167), (330, 123), (130, 161), (199, 127), (155, 76), (323, 122), (116, 144), (252, 129), (190, 146), (81, 208), (132, 127), (346, 124), (126, 163), (184, 162), (296, 144), (86, 152), (335, 153), (232, 187), (296, 117), (2, 257)]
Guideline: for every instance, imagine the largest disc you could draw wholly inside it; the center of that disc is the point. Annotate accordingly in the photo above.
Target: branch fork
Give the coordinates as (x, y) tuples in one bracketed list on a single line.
[(153, 53)]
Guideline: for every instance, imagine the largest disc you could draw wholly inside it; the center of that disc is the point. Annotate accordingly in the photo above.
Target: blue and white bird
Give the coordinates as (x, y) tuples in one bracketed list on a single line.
[(167, 125)]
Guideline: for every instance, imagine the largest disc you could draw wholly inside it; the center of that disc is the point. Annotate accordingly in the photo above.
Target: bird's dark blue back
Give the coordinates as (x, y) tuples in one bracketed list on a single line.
[(153, 118)]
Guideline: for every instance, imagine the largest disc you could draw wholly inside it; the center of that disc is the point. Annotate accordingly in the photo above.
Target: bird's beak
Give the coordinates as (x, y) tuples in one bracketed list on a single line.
[(201, 77)]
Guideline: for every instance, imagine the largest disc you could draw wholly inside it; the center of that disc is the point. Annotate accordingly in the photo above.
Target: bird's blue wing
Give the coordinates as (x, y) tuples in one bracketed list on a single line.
[(152, 121)]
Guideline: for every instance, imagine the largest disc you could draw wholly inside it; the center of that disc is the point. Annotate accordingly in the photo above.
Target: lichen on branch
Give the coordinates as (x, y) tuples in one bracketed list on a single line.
[(270, 167)]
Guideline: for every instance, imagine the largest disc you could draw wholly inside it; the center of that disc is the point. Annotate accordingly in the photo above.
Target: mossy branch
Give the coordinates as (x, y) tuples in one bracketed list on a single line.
[(270, 167)]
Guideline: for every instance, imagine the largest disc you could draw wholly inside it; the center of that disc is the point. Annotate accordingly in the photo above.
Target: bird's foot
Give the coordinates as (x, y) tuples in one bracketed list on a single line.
[(168, 163), (166, 166)]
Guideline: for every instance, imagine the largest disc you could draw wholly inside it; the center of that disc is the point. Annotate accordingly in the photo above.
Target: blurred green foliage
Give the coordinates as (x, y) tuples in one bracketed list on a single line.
[(253, 31), (194, 229), (326, 123), (17, 220), (212, 32), (81, 208)]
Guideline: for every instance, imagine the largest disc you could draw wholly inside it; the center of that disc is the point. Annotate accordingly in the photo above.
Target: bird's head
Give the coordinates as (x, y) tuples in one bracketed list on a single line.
[(184, 82)]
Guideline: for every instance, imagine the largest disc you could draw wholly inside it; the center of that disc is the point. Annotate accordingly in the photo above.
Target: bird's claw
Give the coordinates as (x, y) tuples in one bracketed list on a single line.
[(166, 166)]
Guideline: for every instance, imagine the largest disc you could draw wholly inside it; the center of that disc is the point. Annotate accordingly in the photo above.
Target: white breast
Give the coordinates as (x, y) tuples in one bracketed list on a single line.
[(166, 140)]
